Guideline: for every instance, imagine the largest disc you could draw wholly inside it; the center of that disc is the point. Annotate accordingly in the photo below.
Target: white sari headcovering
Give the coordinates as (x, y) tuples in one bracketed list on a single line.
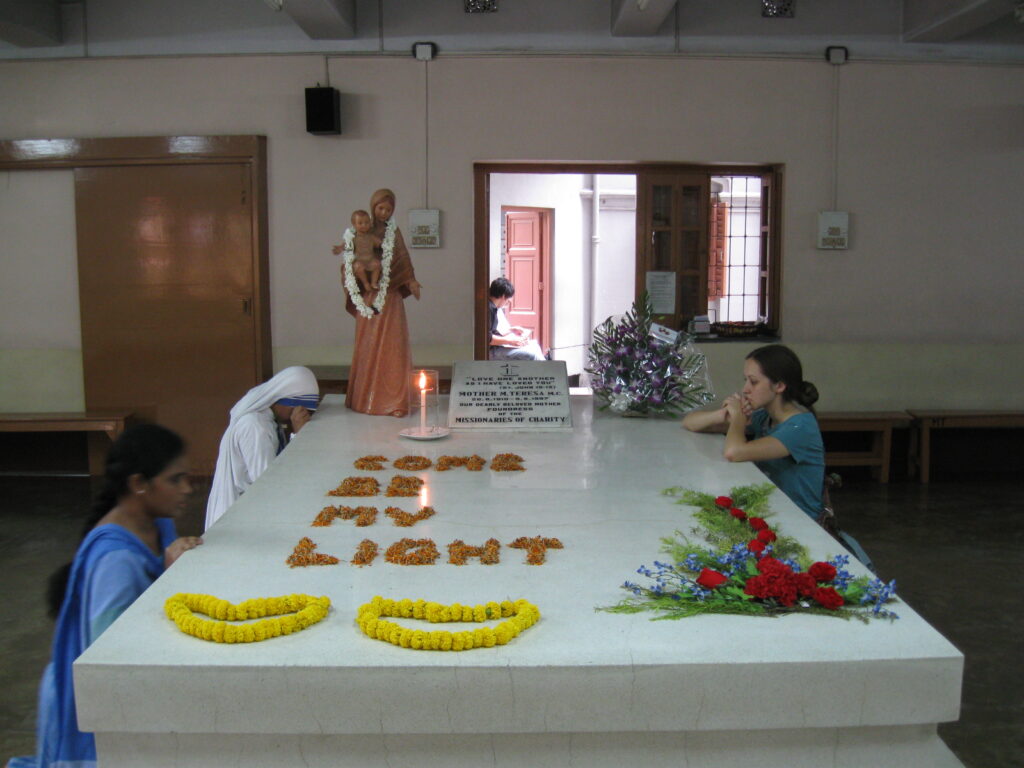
[(292, 386), (295, 383)]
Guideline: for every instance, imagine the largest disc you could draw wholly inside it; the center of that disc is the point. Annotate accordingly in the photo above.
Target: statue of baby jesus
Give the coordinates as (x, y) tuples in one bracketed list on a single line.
[(366, 247)]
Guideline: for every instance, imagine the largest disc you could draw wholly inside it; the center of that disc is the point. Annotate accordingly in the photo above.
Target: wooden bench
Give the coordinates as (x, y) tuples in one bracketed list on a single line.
[(333, 379), (110, 422), (926, 421), (879, 424)]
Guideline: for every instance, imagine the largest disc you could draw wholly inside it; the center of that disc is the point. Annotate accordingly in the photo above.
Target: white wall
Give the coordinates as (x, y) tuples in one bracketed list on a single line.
[(40, 328), (615, 268), (570, 236), (930, 160)]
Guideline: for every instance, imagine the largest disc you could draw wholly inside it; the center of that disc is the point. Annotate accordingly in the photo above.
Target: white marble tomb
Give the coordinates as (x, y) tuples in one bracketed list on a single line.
[(580, 688)]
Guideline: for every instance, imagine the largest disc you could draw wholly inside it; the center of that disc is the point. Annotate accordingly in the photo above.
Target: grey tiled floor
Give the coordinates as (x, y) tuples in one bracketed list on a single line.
[(955, 549)]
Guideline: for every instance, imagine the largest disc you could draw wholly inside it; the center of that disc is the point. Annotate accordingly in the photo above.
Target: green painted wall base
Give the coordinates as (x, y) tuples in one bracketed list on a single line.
[(848, 376), (41, 380), (885, 377)]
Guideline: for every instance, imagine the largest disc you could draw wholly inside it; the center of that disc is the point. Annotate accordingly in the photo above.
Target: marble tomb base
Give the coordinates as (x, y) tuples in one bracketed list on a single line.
[(581, 687)]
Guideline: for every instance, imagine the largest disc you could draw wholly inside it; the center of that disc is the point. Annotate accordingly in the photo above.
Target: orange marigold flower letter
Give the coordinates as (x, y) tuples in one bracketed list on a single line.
[(412, 552), (508, 462), (363, 515), (369, 463), (404, 485), (326, 517), (473, 463), (366, 553), (459, 551), (356, 486), (536, 548), (404, 519), (413, 463), (304, 555)]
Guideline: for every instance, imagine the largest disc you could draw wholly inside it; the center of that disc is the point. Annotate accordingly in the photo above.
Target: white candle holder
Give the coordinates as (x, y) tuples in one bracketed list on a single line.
[(423, 407)]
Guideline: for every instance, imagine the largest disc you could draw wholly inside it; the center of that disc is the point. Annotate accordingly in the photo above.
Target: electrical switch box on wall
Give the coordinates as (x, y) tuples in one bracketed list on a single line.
[(833, 230)]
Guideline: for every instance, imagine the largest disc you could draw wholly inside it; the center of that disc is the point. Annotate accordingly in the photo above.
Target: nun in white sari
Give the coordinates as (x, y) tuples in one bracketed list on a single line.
[(256, 434)]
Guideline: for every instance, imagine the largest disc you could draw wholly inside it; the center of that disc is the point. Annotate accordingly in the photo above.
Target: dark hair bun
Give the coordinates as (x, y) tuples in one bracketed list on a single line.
[(808, 393)]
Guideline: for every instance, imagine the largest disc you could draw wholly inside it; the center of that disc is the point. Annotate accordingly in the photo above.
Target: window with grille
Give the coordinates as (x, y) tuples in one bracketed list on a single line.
[(710, 232)]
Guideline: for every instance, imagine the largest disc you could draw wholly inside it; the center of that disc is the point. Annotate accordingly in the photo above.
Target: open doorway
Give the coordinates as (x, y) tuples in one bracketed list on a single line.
[(582, 268), (707, 236), (526, 263)]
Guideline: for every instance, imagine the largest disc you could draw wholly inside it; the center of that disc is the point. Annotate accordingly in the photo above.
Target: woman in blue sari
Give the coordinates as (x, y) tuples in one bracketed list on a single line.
[(129, 541)]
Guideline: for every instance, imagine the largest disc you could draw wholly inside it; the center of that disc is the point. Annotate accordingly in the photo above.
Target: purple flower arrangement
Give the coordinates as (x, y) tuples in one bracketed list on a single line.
[(635, 373)]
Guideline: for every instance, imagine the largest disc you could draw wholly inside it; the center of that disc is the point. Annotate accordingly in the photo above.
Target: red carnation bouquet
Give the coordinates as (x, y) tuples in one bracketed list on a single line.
[(747, 567)]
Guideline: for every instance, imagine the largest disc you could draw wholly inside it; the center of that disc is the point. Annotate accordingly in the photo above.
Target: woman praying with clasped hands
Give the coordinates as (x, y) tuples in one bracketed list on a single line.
[(771, 422), (130, 539)]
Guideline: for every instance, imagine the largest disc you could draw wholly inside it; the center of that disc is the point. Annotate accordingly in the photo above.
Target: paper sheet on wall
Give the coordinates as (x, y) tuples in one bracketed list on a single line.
[(661, 287)]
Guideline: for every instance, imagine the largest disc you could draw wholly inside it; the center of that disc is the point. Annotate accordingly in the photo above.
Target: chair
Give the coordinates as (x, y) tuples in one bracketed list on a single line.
[(830, 522)]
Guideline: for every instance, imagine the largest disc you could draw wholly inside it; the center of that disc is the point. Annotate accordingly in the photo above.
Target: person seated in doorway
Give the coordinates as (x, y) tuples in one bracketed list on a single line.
[(507, 341), (261, 424), (129, 539)]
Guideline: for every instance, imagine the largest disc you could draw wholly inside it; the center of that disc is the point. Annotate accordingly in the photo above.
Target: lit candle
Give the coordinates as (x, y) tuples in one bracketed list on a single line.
[(423, 402)]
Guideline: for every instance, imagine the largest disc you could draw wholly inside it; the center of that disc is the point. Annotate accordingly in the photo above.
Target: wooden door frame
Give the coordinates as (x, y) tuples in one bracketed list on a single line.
[(69, 154), (547, 216), (482, 227), (674, 180)]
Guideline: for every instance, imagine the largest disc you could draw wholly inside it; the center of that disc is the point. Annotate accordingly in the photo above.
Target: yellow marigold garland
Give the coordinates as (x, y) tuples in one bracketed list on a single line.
[(302, 611), (521, 616)]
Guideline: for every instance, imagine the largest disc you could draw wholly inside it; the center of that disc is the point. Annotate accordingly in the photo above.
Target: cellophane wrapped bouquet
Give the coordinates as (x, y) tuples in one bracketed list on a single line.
[(635, 373)]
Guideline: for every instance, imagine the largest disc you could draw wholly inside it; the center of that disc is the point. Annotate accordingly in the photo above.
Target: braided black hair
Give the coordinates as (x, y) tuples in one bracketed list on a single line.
[(144, 450)]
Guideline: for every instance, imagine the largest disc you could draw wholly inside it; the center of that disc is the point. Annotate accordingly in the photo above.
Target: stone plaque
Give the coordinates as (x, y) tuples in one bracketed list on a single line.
[(509, 394)]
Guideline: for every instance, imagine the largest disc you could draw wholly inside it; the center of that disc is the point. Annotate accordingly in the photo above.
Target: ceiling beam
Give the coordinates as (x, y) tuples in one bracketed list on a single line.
[(639, 18), (29, 23), (942, 21), (324, 19)]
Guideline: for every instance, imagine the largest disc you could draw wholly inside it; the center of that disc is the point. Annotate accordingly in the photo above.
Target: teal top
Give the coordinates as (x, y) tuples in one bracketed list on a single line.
[(801, 475)]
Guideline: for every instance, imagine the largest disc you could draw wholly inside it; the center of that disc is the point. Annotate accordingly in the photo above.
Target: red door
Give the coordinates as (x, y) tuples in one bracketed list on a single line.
[(527, 245)]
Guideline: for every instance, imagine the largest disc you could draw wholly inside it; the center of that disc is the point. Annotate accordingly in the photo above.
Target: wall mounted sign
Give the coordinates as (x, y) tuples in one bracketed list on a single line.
[(833, 230), (425, 228)]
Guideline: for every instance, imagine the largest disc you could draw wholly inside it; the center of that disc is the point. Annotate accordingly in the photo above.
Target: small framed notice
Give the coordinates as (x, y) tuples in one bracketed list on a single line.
[(425, 228), (518, 395), (661, 287)]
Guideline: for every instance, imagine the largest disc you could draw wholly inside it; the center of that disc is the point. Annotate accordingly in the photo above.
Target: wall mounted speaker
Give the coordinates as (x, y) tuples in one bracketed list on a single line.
[(323, 111)]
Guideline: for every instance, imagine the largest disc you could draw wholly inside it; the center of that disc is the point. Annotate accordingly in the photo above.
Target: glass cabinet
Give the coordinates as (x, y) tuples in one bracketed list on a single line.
[(672, 244)]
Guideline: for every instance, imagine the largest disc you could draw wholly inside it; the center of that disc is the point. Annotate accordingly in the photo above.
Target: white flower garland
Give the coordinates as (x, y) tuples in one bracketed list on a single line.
[(385, 271)]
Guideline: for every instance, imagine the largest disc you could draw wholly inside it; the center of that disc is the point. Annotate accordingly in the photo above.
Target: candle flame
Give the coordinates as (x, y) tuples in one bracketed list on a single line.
[(423, 380)]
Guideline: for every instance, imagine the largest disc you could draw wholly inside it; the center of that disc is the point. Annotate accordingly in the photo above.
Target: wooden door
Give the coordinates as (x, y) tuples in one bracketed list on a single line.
[(166, 279), (672, 236), (527, 264)]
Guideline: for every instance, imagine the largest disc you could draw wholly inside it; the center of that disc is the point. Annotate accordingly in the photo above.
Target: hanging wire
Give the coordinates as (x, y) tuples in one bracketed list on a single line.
[(835, 137), (426, 134)]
